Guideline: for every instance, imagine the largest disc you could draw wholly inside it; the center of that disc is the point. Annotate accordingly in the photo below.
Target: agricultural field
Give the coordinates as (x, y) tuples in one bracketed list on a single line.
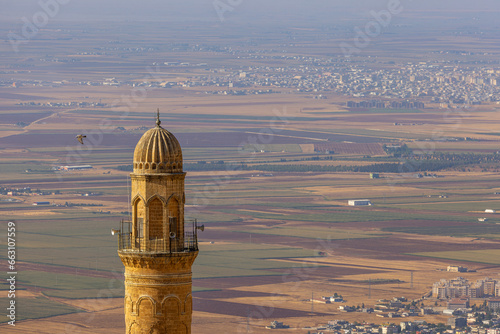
[(269, 176), (270, 240)]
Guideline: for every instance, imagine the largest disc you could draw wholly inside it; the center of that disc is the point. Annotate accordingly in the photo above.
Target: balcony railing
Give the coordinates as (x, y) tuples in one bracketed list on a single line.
[(171, 244)]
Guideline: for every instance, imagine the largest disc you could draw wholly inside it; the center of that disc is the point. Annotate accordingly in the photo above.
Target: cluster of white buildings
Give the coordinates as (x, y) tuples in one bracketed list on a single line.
[(461, 287), (445, 82)]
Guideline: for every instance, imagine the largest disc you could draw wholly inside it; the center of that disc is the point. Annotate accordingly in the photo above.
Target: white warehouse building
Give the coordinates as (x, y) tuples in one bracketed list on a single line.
[(359, 202)]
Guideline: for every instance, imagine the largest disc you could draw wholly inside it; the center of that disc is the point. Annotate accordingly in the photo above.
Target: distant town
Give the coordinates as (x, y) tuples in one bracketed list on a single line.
[(404, 85)]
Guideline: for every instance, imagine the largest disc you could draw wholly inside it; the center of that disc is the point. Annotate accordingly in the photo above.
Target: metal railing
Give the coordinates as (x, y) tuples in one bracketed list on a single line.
[(170, 244)]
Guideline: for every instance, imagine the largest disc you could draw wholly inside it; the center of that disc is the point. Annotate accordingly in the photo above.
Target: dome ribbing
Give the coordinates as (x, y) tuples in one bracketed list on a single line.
[(158, 151)]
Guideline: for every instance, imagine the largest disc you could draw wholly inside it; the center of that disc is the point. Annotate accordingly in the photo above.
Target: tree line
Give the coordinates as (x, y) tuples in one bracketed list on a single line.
[(410, 163)]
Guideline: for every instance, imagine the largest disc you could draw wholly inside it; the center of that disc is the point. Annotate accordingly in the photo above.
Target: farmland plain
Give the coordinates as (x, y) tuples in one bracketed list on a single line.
[(278, 229)]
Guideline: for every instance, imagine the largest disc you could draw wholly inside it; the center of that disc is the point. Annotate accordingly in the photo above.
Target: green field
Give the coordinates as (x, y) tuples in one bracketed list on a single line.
[(344, 215)]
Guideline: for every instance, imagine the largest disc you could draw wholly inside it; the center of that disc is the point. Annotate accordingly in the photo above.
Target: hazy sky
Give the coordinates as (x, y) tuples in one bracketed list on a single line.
[(307, 11)]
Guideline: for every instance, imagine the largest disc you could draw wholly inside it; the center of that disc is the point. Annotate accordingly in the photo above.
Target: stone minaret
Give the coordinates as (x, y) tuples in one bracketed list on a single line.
[(155, 247)]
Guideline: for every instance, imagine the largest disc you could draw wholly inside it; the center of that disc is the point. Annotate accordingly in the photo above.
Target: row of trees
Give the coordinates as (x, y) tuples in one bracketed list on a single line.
[(404, 151), (408, 166), (463, 158), (412, 164)]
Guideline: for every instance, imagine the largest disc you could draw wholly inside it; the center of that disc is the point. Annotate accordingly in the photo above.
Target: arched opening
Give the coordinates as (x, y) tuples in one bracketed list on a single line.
[(174, 222), (155, 219), (171, 307), (138, 223), (173, 215), (172, 310), (146, 307)]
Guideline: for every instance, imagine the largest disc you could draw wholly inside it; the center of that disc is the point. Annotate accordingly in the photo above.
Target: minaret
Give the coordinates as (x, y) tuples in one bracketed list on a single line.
[(156, 247)]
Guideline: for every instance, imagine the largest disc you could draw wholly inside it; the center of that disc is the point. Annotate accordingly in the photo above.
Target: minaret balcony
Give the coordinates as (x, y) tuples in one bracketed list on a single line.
[(188, 242)]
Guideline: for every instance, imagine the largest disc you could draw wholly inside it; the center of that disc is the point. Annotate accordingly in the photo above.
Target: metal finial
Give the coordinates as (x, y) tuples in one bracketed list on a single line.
[(158, 122)]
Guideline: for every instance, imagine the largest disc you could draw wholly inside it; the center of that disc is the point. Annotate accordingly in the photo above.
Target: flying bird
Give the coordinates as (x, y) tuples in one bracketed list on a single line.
[(80, 138)]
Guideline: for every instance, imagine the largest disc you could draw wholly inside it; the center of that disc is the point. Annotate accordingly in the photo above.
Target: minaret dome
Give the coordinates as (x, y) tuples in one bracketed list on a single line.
[(158, 151)]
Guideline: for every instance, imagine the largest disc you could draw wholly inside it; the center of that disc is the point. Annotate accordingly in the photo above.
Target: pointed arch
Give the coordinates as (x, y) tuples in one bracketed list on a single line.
[(156, 196), (155, 218), (173, 213), (138, 219), (136, 197), (175, 197)]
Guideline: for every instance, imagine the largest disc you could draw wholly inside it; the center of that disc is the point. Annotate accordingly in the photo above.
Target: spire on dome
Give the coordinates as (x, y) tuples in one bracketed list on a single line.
[(158, 122), (158, 151)]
